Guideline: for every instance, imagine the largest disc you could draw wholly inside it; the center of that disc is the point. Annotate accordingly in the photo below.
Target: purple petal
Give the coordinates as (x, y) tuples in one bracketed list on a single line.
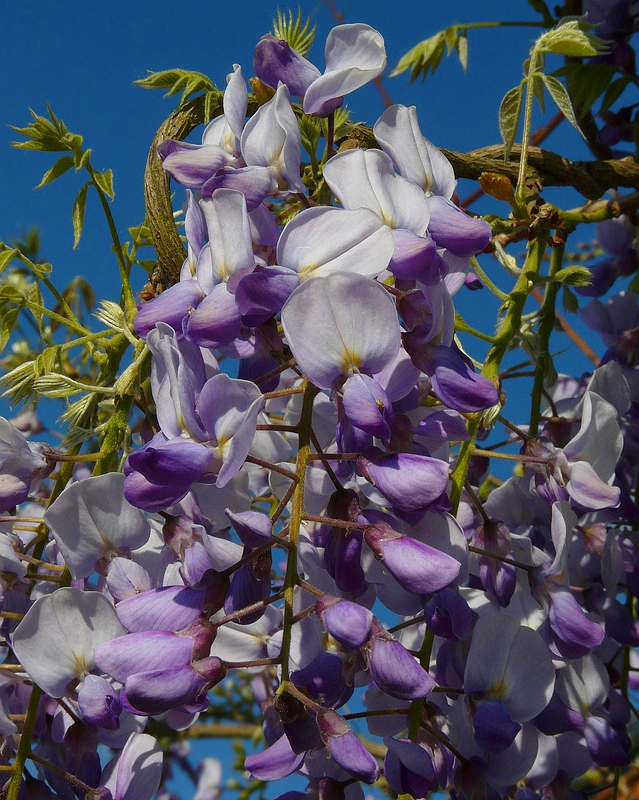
[(169, 608), (253, 528), (169, 307), (367, 405), (216, 321), (454, 381), (408, 481), (348, 623), (416, 258), (494, 729), (277, 761), (157, 691), (396, 671), (255, 183), (275, 61), (418, 567), (140, 652), (570, 622), (98, 701), (608, 746), (351, 755), (176, 463), (451, 228), (192, 164), (263, 292)]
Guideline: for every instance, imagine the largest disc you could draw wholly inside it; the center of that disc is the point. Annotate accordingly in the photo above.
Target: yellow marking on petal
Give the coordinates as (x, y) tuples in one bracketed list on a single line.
[(350, 363), (307, 271), (497, 690), (388, 221), (80, 666)]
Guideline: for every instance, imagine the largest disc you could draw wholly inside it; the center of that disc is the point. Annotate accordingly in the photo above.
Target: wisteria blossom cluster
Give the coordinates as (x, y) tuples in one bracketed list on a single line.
[(306, 507)]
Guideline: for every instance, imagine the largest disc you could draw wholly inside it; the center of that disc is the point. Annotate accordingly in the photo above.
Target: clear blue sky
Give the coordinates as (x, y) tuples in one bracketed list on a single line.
[(82, 58)]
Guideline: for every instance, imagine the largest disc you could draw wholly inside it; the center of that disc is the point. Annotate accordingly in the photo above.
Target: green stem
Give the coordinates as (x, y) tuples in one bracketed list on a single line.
[(417, 706), (495, 24), (546, 324), (520, 192), (486, 280), (127, 294), (297, 512), (24, 748), (463, 327), (71, 325), (508, 330)]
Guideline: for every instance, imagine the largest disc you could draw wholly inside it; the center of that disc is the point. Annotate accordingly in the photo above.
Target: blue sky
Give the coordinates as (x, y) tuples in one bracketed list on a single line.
[(82, 59)]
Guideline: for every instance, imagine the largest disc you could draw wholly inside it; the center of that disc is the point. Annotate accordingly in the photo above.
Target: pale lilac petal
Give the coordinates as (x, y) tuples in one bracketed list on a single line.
[(339, 324), (271, 138), (91, 520), (56, 640), (587, 489), (229, 233), (322, 240), (255, 183), (417, 159), (355, 54), (366, 179), (192, 164), (136, 772)]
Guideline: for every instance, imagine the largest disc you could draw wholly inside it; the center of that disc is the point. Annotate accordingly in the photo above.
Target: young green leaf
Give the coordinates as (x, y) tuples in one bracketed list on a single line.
[(178, 80), (614, 92), (290, 30), (7, 256), (62, 165), (425, 57), (105, 182), (509, 113), (571, 38), (562, 99), (570, 302), (77, 214), (573, 276), (9, 319)]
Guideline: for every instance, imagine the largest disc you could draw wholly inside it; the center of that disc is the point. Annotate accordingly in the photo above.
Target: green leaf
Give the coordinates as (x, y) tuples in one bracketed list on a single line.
[(179, 80), (450, 35), (425, 57), (7, 256), (571, 38), (538, 91), (290, 30), (509, 113), (570, 302), (47, 135), (82, 158), (34, 295), (585, 83), (105, 182), (77, 214), (461, 46), (9, 319), (562, 99), (574, 275), (614, 92), (62, 165)]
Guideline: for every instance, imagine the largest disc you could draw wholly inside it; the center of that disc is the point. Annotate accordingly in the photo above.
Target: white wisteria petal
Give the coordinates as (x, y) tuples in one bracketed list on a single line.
[(91, 520), (340, 324), (322, 240), (136, 772), (510, 662), (230, 244), (415, 158), (599, 440), (355, 54), (271, 138), (55, 641), (366, 179)]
